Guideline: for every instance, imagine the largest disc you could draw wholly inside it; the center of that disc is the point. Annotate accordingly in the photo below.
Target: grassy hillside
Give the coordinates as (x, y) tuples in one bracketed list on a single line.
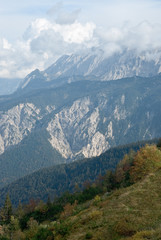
[(129, 213)]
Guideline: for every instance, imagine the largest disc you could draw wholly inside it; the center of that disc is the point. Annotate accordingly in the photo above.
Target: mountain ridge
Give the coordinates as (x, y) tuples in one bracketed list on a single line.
[(96, 66)]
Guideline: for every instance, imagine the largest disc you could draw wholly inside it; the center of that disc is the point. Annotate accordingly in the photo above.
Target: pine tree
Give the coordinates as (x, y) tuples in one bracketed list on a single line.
[(49, 204), (7, 209), (19, 211)]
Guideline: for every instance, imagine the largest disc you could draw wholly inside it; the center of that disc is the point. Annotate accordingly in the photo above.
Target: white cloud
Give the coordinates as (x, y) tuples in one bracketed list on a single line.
[(77, 33), (55, 39), (42, 43), (6, 44), (143, 37)]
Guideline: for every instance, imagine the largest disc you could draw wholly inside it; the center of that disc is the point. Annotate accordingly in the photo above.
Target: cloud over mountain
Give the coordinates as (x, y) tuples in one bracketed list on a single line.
[(66, 30)]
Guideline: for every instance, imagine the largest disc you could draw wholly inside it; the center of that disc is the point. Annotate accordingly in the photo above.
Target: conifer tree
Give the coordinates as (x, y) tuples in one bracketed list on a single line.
[(7, 209), (19, 211), (49, 204)]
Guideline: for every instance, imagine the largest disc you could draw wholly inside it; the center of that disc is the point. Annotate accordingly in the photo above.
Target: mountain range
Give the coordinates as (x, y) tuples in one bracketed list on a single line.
[(70, 111)]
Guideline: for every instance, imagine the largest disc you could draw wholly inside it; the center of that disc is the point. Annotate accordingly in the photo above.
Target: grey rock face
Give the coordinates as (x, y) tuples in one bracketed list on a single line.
[(75, 131), (16, 123), (121, 65)]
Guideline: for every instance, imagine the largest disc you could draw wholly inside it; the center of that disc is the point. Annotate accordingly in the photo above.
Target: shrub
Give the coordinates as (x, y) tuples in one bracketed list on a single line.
[(68, 210), (95, 214), (88, 235), (141, 235), (62, 229), (124, 228), (43, 234), (97, 199)]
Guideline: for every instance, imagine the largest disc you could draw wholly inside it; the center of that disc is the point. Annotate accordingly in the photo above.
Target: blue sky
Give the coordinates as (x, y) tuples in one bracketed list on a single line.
[(33, 34)]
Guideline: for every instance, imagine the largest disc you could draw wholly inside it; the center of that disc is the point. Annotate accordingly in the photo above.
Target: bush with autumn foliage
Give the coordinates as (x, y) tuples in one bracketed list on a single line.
[(136, 165), (146, 160)]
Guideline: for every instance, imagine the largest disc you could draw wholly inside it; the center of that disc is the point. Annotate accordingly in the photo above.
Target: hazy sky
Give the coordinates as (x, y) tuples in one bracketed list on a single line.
[(33, 34)]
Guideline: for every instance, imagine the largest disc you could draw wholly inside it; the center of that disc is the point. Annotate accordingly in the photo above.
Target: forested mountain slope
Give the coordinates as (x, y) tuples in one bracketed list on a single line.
[(56, 180)]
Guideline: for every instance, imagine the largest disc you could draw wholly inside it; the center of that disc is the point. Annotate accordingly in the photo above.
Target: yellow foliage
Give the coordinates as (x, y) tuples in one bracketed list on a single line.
[(147, 160), (97, 199), (95, 214), (124, 166)]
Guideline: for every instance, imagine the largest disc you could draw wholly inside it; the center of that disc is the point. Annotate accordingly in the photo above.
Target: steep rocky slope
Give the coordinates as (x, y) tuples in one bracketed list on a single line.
[(16, 123)]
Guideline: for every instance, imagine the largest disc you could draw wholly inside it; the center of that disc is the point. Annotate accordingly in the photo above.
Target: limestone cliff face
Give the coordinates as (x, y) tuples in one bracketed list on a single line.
[(16, 123), (75, 130), (120, 65), (86, 128)]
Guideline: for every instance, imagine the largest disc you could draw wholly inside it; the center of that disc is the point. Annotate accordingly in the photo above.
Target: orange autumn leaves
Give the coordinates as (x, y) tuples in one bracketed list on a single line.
[(136, 166)]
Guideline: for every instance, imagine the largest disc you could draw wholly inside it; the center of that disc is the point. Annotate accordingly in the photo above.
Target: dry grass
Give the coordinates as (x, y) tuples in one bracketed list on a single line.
[(130, 213)]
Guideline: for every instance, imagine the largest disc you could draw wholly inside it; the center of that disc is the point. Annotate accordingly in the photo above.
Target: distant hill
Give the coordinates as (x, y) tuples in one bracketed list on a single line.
[(55, 180)]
